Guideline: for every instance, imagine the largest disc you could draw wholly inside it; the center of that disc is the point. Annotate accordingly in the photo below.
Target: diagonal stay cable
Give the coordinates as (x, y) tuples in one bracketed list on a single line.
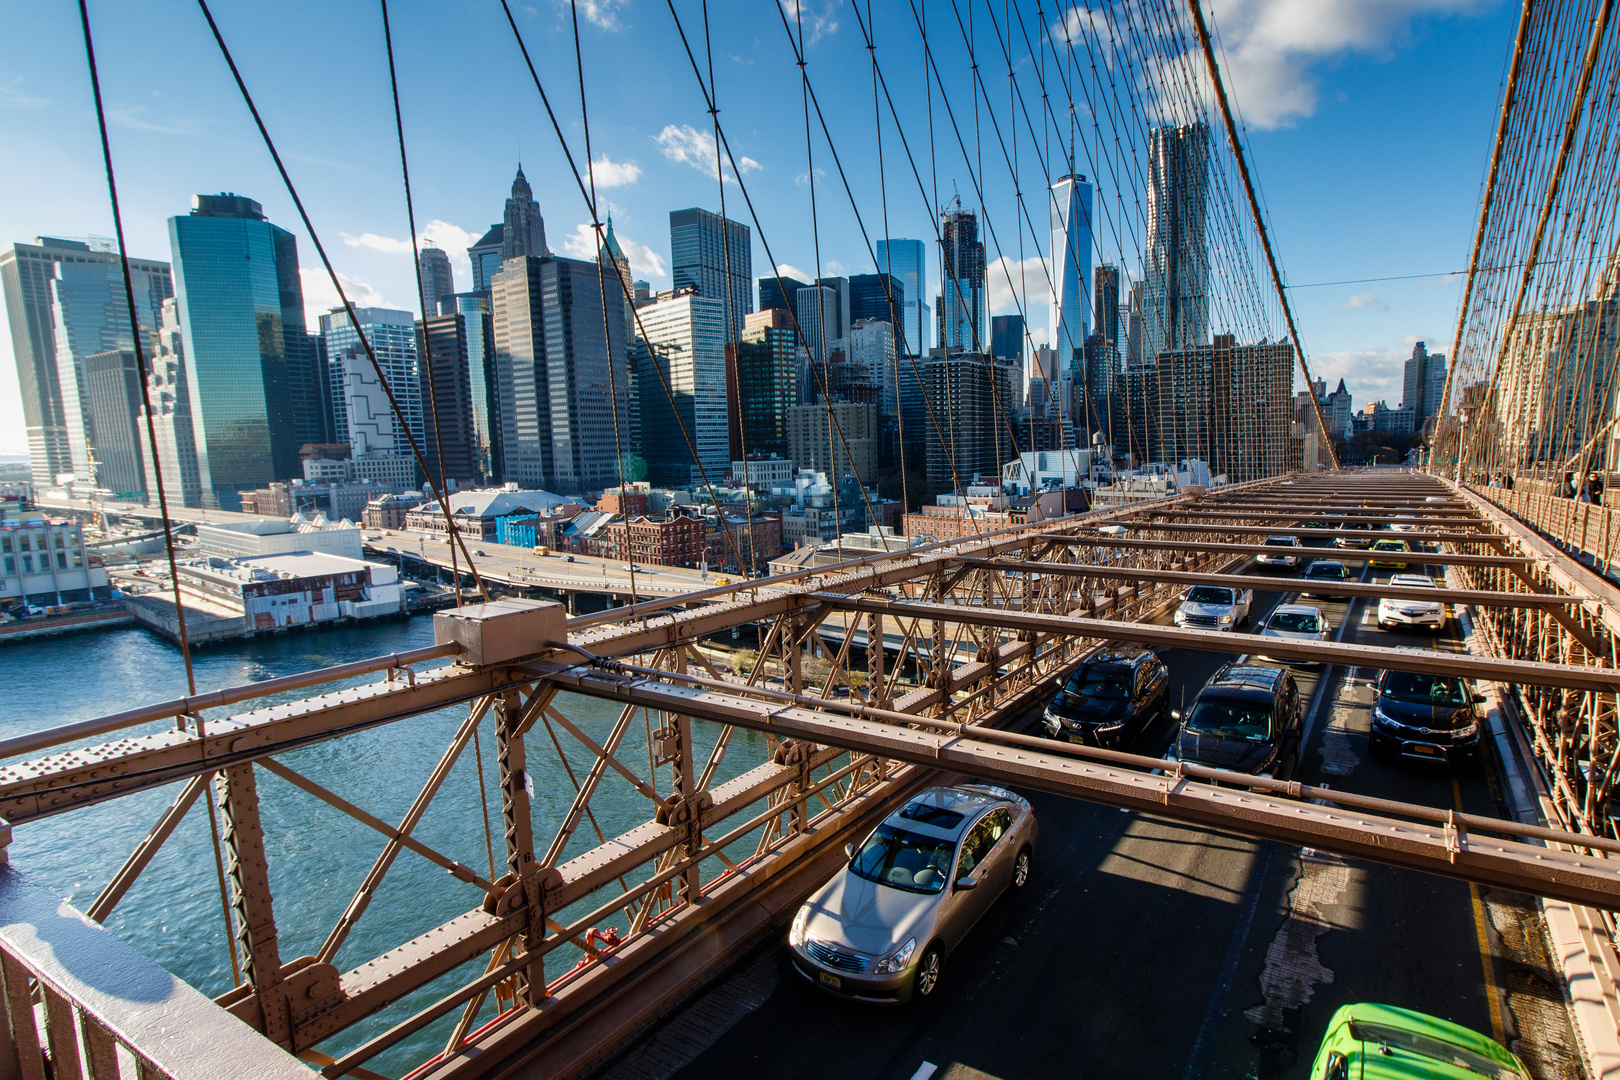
[(337, 284)]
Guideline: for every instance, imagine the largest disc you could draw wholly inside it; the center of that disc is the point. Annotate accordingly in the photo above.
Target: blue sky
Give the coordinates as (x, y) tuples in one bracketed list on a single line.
[(1370, 122)]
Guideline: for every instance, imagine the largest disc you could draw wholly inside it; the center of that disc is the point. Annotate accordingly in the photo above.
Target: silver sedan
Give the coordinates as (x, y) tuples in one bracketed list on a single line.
[(882, 928)]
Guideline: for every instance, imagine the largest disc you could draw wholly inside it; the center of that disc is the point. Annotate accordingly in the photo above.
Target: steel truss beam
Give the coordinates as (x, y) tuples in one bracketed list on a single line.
[(1262, 583), (1347, 555), (1225, 641), (1266, 814)]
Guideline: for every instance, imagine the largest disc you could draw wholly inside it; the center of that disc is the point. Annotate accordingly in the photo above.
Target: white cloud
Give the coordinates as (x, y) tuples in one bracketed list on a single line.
[(610, 174), (1029, 280), (1365, 301), (788, 270), (1267, 48), (1369, 374), (603, 13), (581, 244), (803, 179), (139, 118), (12, 93), (687, 145), (320, 297), (451, 237), (818, 19)]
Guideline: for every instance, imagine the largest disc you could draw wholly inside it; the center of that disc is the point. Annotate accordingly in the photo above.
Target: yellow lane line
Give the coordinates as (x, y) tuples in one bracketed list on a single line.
[(1487, 959)]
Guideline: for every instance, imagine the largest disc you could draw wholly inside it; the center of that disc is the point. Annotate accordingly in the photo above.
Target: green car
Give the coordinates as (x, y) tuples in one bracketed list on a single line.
[(1381, 1042)]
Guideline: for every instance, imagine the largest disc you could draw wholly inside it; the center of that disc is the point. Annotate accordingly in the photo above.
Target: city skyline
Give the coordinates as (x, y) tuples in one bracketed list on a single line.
[(1329, 113)]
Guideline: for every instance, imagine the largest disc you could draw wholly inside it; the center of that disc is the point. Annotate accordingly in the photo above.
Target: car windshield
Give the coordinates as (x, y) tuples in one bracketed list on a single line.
[(1232, 719), (1305, 622), (1427, 1046), (904, 860), (1416, 688), (1326, 570), (1280, 541), (1113, 683), (1209, 594), (1390, 545)]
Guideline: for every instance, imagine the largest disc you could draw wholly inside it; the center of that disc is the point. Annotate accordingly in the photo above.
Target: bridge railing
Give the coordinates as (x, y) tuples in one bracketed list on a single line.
[(78, 1002), (1580, 528)]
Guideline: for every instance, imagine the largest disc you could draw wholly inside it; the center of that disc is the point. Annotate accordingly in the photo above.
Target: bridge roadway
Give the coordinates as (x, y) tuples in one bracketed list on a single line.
[(1144, 947)]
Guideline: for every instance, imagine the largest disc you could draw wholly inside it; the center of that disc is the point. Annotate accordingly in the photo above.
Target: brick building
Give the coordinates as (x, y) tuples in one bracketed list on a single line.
[(677, 540)]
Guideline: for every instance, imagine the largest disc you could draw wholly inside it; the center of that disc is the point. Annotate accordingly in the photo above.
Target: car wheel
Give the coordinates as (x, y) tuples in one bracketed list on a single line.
[(1021, 863), (927, 978)]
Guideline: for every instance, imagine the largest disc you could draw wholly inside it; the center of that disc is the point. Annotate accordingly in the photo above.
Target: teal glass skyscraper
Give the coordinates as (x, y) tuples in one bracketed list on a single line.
[(252, 373)]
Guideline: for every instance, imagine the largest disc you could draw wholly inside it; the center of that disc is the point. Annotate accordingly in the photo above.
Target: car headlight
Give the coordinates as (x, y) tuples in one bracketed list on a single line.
[(796, 934), (897, 960), (1380, 716), (1226, 618), (1112, 725), (1467, 732)]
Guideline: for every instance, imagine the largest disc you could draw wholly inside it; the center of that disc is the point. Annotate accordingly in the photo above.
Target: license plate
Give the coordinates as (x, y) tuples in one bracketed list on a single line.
[(832, 981), (1421, 749), (1077, 738)]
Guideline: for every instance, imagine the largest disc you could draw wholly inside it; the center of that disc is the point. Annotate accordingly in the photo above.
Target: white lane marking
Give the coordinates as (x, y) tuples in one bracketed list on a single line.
[(924, 1071)]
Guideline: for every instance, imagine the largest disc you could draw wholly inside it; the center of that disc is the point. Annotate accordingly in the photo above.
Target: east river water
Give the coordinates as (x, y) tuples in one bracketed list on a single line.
[(318, 856)]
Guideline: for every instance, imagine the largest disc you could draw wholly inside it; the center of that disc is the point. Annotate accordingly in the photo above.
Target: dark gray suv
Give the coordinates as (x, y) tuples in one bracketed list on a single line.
[(1246, 719)]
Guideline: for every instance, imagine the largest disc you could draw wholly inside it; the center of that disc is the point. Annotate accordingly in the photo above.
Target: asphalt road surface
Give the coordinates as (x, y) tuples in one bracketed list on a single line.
[(1147, 948)]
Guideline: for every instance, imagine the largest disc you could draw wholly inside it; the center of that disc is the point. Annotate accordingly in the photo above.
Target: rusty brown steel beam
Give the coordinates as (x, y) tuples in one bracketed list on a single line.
[(1535, 869), (190, 706), (50, 785), (1602, 680), (1272, 530), (1282, 584), (1346, 554)]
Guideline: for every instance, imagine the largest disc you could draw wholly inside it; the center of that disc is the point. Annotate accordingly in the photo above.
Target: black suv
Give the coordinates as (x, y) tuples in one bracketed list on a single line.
[(1425, 717), (1246, 719), (1115, 694)]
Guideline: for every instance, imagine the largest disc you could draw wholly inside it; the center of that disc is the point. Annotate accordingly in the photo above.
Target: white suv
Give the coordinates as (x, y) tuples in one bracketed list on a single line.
[(1214, 607), (1403, 611)]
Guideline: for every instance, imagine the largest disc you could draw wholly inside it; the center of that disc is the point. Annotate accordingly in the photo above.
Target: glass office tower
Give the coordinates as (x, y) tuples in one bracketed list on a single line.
[(908, 261), (250, 367)]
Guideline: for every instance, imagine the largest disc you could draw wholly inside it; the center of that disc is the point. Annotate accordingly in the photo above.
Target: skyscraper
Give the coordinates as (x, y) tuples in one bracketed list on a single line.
[(250, 364), (973, 401), (168, 398), (113, 403), (780, 292), (871, 296), (447, 400), (1105, 294), (1175, 302), (962, 300), (587, 376), (716, 255), (438, 282), (685, 344), (523, 230), (517, 322), (91, 315), (362, 415), (817, 312), (486, 257), (1007, 337), (473, 308), (1070, 206), (28, 273), (1424, 384), (765, 384), (907, 260)]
